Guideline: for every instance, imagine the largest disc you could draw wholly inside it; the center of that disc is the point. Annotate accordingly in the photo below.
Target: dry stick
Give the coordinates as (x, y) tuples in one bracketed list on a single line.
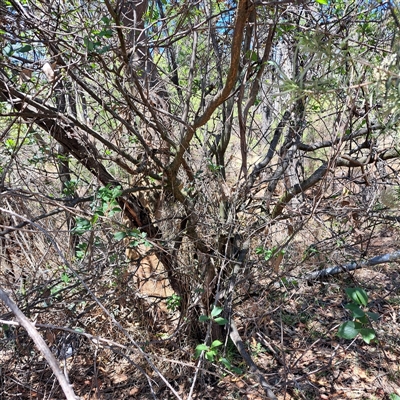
[(386, 258), (265, 343), (285, 366), (233, 331), (237, 340), (195, 377), (40, 344)]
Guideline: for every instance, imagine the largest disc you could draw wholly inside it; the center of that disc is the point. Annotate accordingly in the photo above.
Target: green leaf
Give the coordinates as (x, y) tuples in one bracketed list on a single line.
[(358, 295), (94, 218), (367, 334), (199, 349), (363, 320), (24, 49), (204, 318), (115, 210), (82, 225), (89, 44), (323, 2), (216, 311), (10, 144), (216, 343), (202, 347), (355, 309), (64, 277), (357, 325), (119, 235), (251, 55), (373, 316), (106, 33), (117, 191), (394, 396), (226, 363), (221, 321), (348, 330), (210, 355)]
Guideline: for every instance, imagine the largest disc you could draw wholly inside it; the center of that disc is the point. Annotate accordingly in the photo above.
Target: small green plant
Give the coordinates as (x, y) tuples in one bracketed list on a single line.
[(289, 283), (105, 202), (10, 145), (135, 236), (82, 225), (210, 352), (309, 252), (70, 188), (173, 302), (81, 250), (256, 349), (228, 365), (362, 320), (65, 278), (214, 168), (269, 253), (214, 316), (7, 331)]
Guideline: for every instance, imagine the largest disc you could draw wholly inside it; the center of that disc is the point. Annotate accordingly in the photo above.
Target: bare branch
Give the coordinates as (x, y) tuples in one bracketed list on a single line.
[(383, 259), (40, 344), (237, 340), (242, 13)]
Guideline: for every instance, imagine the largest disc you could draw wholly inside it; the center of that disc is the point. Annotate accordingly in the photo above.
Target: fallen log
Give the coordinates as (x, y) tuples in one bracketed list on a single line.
[(386, 258)]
